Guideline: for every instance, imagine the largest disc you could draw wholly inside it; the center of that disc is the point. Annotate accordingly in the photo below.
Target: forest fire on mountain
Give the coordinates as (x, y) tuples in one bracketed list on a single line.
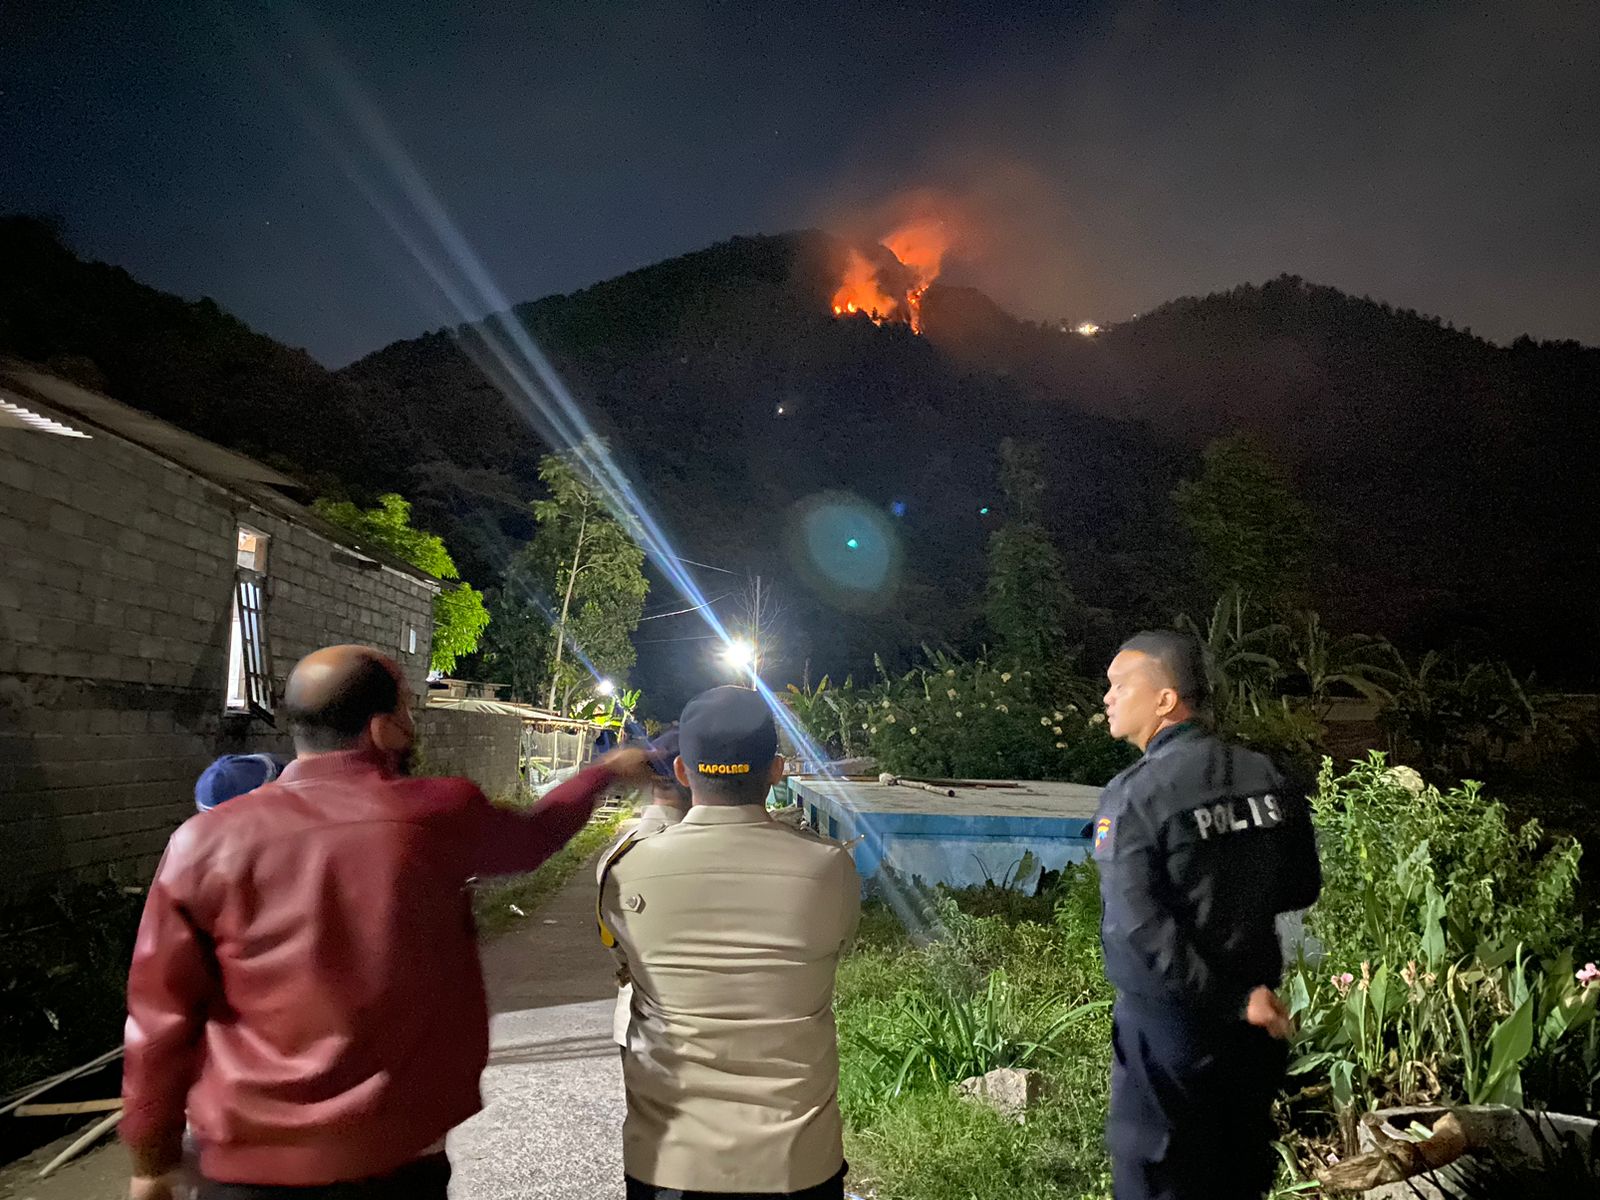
[(918, 246), (859, 291)]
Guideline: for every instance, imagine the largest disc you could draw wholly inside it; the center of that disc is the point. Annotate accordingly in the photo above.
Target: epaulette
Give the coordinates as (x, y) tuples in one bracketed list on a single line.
[(624, 844)]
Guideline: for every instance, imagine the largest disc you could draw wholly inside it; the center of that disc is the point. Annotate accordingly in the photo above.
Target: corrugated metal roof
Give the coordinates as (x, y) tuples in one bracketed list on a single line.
[(507, 708), (42, 393), (200, 456)]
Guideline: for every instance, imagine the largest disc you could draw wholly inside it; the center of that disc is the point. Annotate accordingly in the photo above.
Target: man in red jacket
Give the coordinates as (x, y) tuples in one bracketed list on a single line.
[(305, 982)]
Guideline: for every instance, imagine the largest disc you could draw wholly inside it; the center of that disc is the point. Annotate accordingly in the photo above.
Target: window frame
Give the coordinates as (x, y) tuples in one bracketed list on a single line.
[(249, 645)]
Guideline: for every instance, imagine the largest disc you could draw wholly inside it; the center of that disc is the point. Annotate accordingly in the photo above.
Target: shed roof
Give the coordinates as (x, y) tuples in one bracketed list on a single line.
[(527, 712), (80, 410)]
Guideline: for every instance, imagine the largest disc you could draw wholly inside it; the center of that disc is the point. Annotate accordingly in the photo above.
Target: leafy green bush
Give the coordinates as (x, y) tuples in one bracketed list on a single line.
[(459, 616), (1393, 845), (1446, 969), (952, 718), (1469, 718)]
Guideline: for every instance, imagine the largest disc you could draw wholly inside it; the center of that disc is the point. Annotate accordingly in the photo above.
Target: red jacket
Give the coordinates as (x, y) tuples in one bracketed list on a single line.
[(306, 980)]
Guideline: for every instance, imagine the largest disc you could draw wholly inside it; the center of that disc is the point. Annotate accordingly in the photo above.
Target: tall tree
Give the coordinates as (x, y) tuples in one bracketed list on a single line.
[(459, 615), (516, 648), (759, 610), (573, 596), (1029, 605), (1251, 531)]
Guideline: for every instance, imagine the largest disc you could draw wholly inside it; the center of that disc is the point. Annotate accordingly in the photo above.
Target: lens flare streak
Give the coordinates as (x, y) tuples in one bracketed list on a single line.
[(505, 351)]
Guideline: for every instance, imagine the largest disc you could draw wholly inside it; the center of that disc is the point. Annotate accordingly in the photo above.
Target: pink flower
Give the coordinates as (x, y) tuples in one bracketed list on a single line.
[(1589, 975), (1343, 982)]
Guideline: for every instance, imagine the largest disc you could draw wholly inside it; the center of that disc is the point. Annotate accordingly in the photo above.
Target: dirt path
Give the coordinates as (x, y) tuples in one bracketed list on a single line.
[(552, 957), (552, 1123)]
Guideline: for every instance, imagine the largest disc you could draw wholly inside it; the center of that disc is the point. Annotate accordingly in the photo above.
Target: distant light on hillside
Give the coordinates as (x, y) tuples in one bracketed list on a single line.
[(1086, 329)]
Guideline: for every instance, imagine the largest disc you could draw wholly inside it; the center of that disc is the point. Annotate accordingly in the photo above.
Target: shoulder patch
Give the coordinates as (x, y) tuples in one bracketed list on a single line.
[(1102, 836)]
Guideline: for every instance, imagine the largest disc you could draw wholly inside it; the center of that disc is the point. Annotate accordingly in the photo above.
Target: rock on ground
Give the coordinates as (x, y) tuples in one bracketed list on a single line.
[(1010, 1091)]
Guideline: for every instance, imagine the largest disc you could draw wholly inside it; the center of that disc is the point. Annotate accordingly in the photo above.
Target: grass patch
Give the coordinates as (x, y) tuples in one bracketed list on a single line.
[(908, 1137), (494, 903), (933, 1146)]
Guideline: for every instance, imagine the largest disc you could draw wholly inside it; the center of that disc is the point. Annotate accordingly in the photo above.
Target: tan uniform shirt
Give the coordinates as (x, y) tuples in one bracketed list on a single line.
[(731, 925), (653, 819)]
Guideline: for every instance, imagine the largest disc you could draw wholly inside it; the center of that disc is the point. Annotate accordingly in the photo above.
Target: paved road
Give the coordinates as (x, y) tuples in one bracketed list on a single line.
[(551, 1128)]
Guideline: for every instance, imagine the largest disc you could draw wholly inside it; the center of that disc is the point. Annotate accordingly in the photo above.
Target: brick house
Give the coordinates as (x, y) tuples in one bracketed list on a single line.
[(155, 590)]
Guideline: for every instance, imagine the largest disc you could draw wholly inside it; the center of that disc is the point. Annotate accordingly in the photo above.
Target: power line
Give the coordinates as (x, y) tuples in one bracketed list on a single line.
[(707, 566), (678, 612)]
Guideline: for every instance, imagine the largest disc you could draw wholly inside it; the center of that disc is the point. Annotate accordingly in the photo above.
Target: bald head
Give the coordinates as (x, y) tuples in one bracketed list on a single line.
[(347, 698)]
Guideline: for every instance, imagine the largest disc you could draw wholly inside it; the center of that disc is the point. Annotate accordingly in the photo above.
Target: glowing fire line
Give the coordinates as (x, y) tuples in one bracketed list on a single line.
[(919, 247)]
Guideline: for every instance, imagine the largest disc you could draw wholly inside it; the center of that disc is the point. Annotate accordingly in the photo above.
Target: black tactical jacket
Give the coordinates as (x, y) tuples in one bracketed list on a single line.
[(1200, 846)]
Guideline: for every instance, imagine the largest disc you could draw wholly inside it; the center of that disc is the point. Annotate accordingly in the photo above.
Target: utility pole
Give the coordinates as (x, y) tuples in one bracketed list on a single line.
[(566, 603), (755, 640)]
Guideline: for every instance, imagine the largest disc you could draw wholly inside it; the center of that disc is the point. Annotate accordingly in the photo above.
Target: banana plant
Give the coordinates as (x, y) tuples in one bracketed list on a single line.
[(609, 712), (1367, 665), (1239, 656)]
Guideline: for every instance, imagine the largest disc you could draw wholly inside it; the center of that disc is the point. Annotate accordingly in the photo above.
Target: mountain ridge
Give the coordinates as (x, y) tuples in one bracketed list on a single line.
[(1428, 452)]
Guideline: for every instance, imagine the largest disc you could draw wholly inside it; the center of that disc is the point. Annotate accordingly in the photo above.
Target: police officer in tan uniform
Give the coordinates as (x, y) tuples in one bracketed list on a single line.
[(669, 800), (730, 926)]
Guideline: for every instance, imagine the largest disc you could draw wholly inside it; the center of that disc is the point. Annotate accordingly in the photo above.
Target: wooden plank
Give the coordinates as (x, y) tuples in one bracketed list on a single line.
[(43, 1086), (89, 1137), (68, 1110)]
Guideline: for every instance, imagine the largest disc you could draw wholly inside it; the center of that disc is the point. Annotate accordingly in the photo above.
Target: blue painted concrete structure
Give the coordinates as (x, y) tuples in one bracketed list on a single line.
[(979, 834)]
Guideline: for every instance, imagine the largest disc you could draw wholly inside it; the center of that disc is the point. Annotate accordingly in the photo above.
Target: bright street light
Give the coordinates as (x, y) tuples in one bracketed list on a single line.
[(740, 654), (607, 688)]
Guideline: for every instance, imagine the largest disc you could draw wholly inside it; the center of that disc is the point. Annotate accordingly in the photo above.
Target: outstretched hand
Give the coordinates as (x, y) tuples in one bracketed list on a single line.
[(630, 765), (153, 1187), (1265, 1011)]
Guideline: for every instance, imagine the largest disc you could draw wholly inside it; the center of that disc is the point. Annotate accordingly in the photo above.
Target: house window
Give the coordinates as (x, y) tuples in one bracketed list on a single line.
[(249, 658)]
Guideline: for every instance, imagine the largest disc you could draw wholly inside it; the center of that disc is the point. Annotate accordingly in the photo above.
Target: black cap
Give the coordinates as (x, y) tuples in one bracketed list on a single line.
[(727, 733), (663, 749), (1181, 657)]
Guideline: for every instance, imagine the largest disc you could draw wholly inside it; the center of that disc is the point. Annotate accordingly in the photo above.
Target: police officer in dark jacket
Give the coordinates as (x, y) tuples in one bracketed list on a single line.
[(1200, 845)]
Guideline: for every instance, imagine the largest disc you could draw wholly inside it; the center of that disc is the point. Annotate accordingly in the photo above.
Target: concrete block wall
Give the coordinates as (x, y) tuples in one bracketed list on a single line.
[(116, 593), (319, 594), (485, 747)]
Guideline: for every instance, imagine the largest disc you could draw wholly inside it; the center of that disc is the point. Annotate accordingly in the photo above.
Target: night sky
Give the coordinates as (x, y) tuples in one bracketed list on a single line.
[(1103, 158)]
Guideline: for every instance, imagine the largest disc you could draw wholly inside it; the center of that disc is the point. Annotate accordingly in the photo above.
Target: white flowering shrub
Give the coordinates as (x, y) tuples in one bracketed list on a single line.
[(958, 719)]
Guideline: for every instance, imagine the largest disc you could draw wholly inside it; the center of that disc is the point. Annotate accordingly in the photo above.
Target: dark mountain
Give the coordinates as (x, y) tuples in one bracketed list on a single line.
[(1451, 477), (1454, 479), (189, 362), (731, 394)]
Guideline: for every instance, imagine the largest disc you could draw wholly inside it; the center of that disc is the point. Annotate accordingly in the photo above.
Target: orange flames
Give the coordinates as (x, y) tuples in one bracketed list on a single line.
[(920, 247), (859, 291)]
